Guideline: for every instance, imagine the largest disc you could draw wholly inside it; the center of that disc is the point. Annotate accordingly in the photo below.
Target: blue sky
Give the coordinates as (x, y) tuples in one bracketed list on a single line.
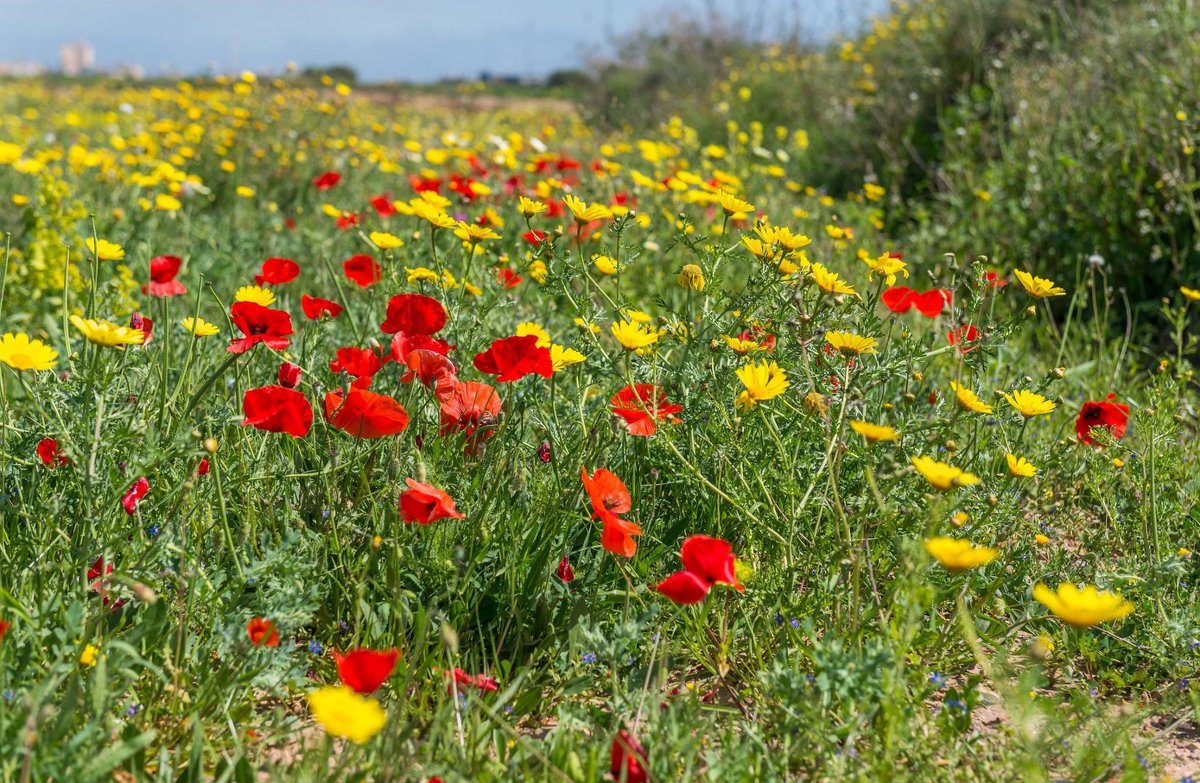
[(384, 39)]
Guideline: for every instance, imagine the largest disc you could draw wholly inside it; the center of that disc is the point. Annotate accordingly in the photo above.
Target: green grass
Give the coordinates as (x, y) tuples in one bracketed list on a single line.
[(850, 655)]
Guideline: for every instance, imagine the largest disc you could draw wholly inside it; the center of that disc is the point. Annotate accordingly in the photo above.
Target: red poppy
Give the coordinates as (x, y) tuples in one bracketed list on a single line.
[(4, 626), (326, 180), (404, 344), (357, 362), (139, 321), (365, 414), (362, 270), (964, 337), (383, 206), (97, 584), (564, 570), (277, 271), (900, 299), (138, 490), (1112, 415), (641, 406), (260, 325), (534, 237), (346, 220), (365, 670), (627, 759), (765, 340), (421, 185), (706, 561), (464, 680), (429, 367), (289, 375), (469, 407), (993, 280), (425, 503), (314, 307), (49, 453), (203, 468), (512, 358), (544, 454), (610, 499), (507, 278), (163, 270), (262, 633), (683, 587), (277, 409), (414, 314)]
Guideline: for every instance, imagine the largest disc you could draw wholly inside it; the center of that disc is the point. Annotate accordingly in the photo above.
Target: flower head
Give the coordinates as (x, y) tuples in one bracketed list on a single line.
[(1106, 414), (641, 406), (691, 277), (874, 432), (763, 381), (634, 336), (105, 250), (1038, 287), (344, 713), (107, 333), (21, 353), (956, 554), (1019, 466), (1082, 608), (850, 343), (941, 475), (425, 504), (256, 294), (1029, 404), (968, 400)]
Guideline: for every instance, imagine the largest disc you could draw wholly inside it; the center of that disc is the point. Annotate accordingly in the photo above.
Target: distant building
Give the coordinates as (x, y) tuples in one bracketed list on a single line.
[(77, 57), (132, 71), (21, 68)]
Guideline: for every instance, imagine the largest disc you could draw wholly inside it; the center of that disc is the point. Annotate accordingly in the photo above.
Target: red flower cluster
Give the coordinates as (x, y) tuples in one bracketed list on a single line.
[(706, 562), (930, 304)]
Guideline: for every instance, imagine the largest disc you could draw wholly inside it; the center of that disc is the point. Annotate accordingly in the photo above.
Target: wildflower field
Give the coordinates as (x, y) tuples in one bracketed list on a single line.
[(341, 440)]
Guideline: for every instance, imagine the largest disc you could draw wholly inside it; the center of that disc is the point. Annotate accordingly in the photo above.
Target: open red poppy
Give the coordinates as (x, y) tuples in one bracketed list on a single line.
[(1112, 415), (365, 670), (277, 271), (414, 314), (534, 237), (900, 299), (507, 278), (383, 206), (138, 490), (262, 632), (706, 561), (610, 498), (260, 325), (641, 406), (314, 307), (357, 362), (362, 270), (430, 368), (163, 270), (469, 407), (50, 454), (425, 504), (464, 680), (326, 180), (964, 337), (512, 358), (365, 414), (277, 409)]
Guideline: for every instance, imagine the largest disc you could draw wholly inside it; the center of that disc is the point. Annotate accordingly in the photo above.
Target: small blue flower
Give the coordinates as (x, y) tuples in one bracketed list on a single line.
[(795, 622), (10, 695), (132, 710), (153, 530), (937, 680), (588, 657), (956, 704), (315, 647), (508, 708)]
